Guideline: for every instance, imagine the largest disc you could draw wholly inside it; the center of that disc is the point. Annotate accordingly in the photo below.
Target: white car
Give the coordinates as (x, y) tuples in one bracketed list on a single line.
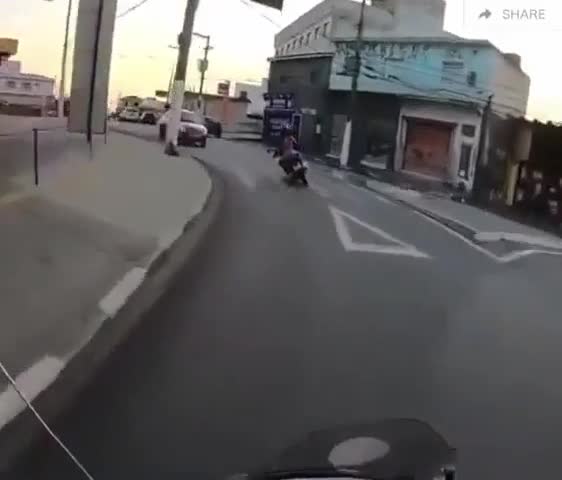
[(130, 115), (192, 131)]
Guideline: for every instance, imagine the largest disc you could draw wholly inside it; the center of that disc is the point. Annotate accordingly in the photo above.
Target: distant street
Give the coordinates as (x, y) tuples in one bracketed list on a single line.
[(313, 308)]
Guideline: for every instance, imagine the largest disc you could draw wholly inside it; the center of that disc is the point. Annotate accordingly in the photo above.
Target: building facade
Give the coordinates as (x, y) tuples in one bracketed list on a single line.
[(422, 91), (253, 92), (230, 111), (32, 93)]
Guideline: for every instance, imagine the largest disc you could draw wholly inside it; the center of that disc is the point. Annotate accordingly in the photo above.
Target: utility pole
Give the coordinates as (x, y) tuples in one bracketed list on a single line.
[(203, 66), (184, 42), (482, 145), (63, 67), (347, 137)]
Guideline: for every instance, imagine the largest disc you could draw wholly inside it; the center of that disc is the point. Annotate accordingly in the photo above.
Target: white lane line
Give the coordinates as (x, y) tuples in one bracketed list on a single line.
[(510, 257), (31, 382), (532, 240), (380, 198), (458, 235), (118, 295), (399, 248)]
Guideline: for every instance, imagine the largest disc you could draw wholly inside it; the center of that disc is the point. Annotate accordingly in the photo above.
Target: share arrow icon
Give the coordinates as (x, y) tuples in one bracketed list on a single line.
[(485, 14)]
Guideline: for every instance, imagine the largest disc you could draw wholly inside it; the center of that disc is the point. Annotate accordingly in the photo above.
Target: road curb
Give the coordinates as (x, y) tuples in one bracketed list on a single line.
[(21, 433)]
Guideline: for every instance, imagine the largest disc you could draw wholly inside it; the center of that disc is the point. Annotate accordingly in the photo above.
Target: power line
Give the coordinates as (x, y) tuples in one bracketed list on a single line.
[(412, 68), (132, 8), (263, 15)]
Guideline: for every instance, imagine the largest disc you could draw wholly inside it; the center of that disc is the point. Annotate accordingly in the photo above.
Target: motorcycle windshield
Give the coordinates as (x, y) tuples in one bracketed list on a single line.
[(404, 449)]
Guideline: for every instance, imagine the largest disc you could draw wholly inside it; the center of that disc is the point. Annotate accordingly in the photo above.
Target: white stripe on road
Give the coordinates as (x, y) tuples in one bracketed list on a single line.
[(510, 257), (31, 382), (371, 193), (118, 295), (456, 234), (398, 248)]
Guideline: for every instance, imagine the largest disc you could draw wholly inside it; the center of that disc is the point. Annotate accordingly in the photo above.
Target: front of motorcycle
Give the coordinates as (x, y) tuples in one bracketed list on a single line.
[(392, 449)]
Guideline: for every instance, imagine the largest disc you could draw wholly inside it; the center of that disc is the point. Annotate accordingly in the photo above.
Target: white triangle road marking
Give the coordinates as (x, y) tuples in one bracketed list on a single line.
[(398, 248)]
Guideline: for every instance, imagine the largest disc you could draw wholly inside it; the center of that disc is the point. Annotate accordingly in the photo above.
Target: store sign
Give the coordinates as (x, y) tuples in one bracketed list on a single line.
[(279, 100), (202, 65), (223, 88)]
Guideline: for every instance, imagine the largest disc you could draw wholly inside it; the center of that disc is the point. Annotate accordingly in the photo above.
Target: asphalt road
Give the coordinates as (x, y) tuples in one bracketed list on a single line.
[(283, 326)]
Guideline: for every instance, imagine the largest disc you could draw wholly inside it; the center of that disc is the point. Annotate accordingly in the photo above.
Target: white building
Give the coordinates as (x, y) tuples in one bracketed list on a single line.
[(24, 89), (254, 93), (314, 31)]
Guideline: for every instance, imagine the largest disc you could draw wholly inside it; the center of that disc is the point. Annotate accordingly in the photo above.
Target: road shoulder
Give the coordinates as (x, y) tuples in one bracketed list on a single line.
[(119, 311)]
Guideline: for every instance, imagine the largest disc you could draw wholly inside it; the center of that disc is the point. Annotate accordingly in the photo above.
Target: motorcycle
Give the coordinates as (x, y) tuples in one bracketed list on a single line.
[(391, 449), (295, 171)]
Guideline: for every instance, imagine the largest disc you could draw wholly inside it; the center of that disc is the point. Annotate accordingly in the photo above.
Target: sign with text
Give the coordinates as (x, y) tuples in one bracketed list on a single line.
[(515, 15)]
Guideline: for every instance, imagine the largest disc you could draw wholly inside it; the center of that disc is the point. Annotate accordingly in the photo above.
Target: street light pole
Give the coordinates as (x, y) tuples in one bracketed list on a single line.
[(178, 91)]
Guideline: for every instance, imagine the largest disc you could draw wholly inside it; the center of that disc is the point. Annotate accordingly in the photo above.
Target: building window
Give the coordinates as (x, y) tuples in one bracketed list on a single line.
[(468, 130), (294, 45), (325, 29), (452, 71), (26, 85), (464, 163), (316, 32), (471, 78), (308, 38), (10, 84), (301, 40)]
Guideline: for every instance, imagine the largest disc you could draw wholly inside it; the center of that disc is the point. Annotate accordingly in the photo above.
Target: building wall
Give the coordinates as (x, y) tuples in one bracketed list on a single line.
[(510, 86), (229, 111), (18, 88), (292, 39), (254, 93), (453, 69), (314, 31), (454, 115)]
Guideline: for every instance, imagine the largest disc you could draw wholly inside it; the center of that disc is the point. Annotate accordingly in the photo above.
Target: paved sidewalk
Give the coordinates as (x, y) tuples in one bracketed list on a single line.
[(74, 249), (481, 226)]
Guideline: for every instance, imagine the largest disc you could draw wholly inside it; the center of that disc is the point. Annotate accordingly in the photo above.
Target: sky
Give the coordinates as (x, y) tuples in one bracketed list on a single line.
[(242, 39)]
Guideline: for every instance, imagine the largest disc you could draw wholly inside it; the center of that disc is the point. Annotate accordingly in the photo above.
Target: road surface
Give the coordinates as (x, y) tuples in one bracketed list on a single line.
[(313, 308)]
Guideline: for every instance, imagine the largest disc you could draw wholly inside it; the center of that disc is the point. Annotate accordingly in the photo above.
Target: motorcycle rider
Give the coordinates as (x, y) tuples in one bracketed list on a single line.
[(290, 156)]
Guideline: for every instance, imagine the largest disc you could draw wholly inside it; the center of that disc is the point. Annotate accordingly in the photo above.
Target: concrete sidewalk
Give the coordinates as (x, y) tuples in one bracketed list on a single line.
[(76, 248), (14, 124), (477, 224)]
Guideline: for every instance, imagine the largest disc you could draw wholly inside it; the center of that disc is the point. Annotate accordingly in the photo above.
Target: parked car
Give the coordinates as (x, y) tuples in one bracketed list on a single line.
[(214, 127), (150, 118), (192, 131), (130, 115)]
